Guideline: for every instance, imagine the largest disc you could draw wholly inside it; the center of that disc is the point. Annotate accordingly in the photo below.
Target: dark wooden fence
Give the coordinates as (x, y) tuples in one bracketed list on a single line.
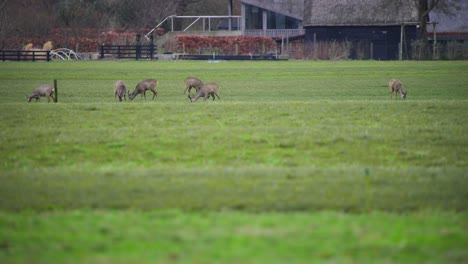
[(128, 51), (25, 55)]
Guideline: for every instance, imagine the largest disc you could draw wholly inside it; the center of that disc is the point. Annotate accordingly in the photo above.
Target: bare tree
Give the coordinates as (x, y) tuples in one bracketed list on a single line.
[(24, 18), (426, 6), (150, 12), (35, 18), (85, 13)]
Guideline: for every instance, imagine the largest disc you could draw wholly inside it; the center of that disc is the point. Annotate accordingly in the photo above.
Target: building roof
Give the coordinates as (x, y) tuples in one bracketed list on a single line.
[(291, 8), (359, 12)]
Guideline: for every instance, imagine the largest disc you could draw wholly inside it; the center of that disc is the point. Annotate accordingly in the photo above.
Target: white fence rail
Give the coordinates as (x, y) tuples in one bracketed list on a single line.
[(203, 23)]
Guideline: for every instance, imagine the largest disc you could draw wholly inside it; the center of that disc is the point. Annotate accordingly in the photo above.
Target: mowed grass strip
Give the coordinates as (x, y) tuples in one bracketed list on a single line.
[(292, 134), (254, 189)]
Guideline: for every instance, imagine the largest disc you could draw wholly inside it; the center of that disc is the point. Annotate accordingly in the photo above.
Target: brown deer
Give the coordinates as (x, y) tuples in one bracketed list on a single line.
[(42, 91), (120, 90), (209, 89), (397, 87), (142, 87), (192, 82)]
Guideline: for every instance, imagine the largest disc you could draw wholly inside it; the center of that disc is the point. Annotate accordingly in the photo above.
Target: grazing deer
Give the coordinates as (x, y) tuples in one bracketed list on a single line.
[(397, 87), (120, 90), (209, 89), (192, 82), (42, 91), (142, 87)]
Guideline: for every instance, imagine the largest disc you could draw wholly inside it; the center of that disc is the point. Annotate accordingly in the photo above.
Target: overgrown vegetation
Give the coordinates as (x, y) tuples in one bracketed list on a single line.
[(451, 50), (298, 161)]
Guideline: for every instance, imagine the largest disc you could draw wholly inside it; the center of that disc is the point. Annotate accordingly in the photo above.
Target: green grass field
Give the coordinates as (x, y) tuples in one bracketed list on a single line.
[(300, 161)]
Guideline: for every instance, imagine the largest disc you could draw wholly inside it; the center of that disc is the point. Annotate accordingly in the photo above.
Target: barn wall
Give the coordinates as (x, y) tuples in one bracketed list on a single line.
[(385, 39)]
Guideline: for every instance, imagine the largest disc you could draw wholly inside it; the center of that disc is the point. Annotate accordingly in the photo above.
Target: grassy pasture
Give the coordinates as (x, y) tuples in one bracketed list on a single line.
[(299, 161)]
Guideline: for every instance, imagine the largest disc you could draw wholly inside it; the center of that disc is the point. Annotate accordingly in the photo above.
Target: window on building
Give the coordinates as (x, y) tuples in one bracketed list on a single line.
[(254, 19), (279, 21)]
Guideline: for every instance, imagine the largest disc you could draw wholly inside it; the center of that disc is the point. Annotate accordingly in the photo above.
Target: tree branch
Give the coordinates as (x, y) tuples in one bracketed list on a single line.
[(3, 4), (431, 6)]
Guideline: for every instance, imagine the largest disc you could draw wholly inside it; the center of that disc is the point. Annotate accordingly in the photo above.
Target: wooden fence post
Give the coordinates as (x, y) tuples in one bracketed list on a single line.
[(138, 52), (102, 51), (55, 89)]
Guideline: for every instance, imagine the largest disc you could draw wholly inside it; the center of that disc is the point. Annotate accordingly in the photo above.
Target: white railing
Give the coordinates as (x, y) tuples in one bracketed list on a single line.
[(65, 54), (232, 23)]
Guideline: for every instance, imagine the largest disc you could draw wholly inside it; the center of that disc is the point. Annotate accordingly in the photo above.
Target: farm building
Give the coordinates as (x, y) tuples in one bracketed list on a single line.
[(366, 29), (377, 26)]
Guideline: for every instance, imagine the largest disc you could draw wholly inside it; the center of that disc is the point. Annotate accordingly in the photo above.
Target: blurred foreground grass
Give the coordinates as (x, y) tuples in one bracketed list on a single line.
[(172, 236)]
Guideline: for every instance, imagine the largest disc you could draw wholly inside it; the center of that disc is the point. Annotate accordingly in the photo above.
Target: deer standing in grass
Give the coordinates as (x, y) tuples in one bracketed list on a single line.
[(397, 87), (209, 89), (120, 90), (192, 82), (142, 87), (42, 91)]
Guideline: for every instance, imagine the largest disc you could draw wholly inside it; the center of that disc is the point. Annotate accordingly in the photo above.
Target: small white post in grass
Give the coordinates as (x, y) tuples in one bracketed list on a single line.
[(55, 89)]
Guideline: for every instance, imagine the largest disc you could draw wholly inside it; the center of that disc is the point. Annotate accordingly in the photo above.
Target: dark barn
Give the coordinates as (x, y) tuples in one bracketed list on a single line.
[(374, 27)]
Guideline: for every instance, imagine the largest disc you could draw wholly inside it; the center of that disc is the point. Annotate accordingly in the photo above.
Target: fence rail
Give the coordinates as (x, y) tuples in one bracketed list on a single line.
[(25, 55), (229, 23), (128, 51)]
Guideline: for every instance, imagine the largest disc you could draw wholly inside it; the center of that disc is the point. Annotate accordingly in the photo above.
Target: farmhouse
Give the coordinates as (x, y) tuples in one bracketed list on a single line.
[(375, 25), (333, 29), (379, 25)]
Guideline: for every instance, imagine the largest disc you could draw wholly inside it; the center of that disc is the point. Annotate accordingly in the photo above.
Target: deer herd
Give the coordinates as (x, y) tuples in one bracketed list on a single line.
[(205, 90), (202, 90)]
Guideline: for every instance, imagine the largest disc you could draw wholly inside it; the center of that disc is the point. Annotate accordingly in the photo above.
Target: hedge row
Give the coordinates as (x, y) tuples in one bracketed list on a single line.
[(238, 45)]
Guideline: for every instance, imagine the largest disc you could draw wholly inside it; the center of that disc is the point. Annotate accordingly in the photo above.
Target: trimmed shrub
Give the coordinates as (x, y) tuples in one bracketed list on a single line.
[(239, 45)]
